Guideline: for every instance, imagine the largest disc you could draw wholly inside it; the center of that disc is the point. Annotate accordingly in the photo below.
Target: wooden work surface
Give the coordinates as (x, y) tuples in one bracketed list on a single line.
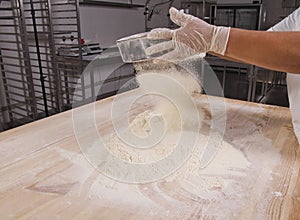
[(43, 174)]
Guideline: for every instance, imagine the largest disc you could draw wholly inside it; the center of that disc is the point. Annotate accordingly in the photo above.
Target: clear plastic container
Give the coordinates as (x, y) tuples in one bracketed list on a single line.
[(133, 48)]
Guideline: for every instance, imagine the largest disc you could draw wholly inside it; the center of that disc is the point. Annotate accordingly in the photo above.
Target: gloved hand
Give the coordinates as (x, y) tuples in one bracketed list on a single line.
[(193, 37)]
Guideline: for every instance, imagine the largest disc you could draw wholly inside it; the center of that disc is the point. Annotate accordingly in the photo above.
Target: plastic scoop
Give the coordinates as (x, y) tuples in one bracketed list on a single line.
[(133, 48)]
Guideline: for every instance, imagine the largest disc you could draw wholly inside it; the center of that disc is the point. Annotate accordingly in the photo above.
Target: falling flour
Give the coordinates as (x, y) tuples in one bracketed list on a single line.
[(229, 161)]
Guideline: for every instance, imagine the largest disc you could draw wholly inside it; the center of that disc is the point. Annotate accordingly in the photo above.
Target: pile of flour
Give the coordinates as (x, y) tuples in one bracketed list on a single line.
[(165, 116)]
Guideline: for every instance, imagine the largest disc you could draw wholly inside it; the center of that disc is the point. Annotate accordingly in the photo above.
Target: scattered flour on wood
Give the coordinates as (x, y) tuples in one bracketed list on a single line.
[(220, 181)]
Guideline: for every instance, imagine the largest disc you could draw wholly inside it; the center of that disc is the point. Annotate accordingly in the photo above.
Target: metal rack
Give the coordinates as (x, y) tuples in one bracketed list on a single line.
[(200, 9), (42, 56), (20, 100), (151, 8), (38, 80), (35, 80), (66, 34), (245, 16)]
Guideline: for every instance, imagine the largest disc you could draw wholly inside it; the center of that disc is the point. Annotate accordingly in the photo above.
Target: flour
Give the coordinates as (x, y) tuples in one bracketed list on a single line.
[(166, 107), (221, 190), (166, 115)]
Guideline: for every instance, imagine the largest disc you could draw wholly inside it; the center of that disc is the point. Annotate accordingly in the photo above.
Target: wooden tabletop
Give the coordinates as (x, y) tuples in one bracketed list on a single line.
[(44, 175)]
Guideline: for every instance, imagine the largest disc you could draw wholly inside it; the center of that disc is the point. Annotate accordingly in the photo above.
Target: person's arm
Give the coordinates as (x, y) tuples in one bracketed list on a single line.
[(273, 50), (226, 57), (290, 23)]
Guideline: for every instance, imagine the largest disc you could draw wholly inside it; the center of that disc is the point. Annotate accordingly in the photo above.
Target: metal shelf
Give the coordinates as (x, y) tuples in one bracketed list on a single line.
[(36, 80), (110, 4), (28, 64)]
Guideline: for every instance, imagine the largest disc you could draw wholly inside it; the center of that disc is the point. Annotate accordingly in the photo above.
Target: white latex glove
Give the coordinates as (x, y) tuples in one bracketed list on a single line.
[(193, 37)]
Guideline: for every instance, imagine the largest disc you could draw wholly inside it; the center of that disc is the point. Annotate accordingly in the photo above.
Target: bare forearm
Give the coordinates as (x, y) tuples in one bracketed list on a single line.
[(226, 57), (274, 50)]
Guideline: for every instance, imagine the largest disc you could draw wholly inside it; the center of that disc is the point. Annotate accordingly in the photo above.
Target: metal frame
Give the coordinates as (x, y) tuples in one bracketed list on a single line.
[(255, 75), (202, 5), (214, 8), (15, 68), (111, 4), (150, 9), (30, 35), (66, 25)]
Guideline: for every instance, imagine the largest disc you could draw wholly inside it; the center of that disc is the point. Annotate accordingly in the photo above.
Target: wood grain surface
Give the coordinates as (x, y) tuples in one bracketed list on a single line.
[(44, 175)]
